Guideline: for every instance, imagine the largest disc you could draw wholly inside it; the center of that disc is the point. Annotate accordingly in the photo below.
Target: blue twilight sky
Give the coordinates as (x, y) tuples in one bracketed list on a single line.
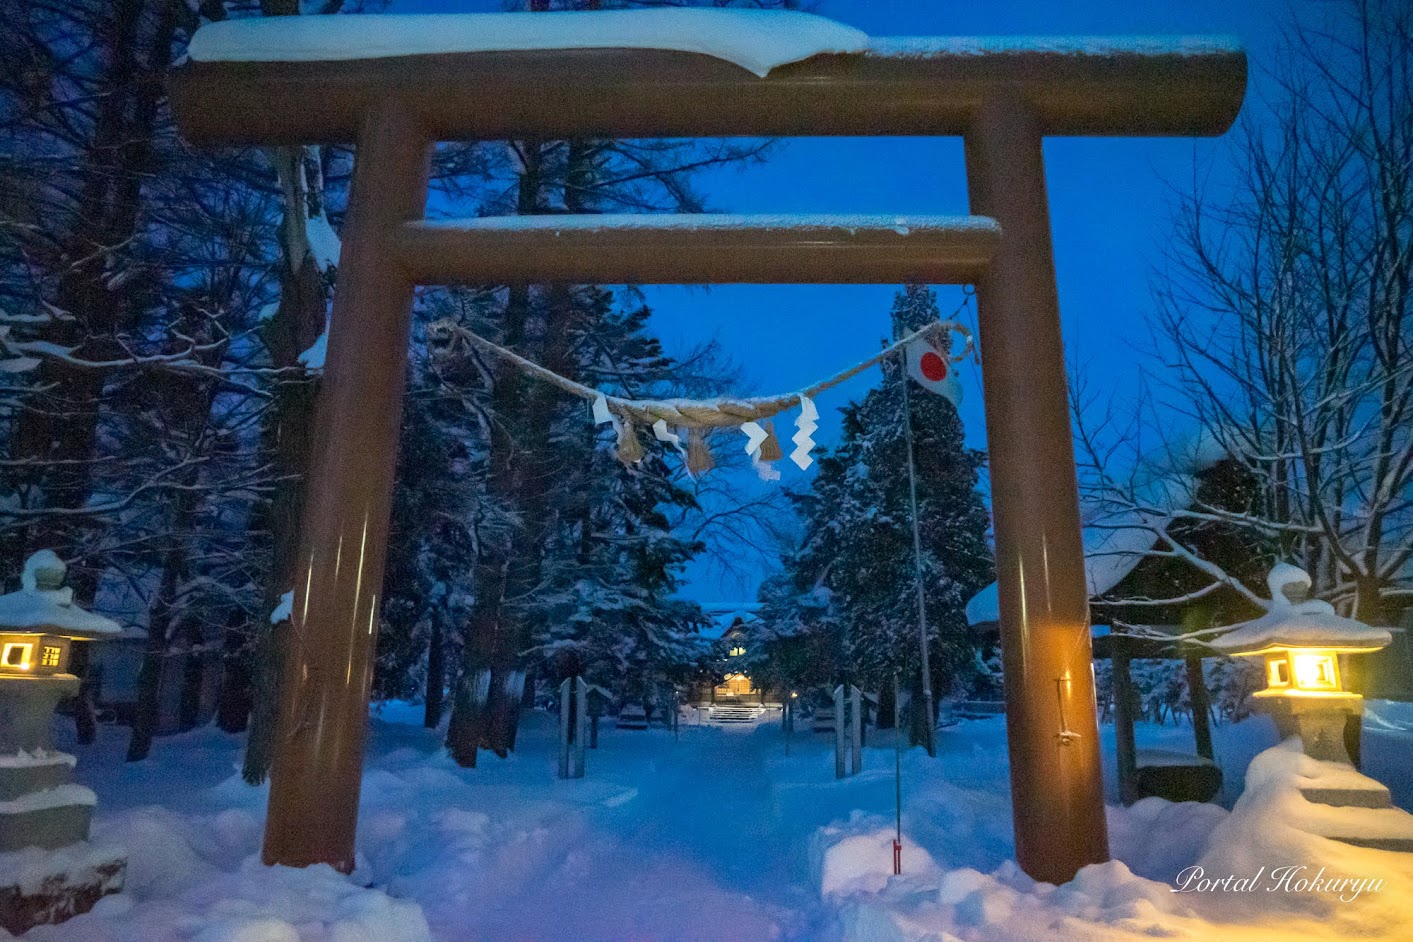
[(1110, 200)]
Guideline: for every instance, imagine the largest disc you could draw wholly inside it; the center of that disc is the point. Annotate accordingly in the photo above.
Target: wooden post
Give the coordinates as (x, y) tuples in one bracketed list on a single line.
[(1053, 733), (581, 723), (328, 661), (566, 693), (595, 712), (1123, 726), (856, 730), (839, 731), (1201, 706)]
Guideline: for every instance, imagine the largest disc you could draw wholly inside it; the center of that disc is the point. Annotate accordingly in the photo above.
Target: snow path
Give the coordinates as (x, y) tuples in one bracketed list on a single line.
[(718, 835)]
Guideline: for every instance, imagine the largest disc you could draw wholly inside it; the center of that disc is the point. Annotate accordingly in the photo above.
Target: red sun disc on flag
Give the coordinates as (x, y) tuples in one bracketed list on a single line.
[(933, 367)]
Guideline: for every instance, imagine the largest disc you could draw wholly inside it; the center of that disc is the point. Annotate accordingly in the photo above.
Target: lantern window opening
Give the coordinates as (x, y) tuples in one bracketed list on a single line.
[(18, 655), (1315, 670), (1278, 672), (50, 656)]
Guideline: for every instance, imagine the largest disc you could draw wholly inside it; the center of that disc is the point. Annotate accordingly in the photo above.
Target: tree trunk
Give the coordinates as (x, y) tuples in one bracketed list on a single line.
[(193, 682), (288, 440), (147, 714), (85, 710), (234, 703), (1356, 669), (436, 675), (481, 717), (886, 697), (59, 435)]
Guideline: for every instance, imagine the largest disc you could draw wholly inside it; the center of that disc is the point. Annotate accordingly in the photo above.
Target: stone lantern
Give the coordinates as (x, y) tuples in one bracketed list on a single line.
[(1302, 640), (44, 817)]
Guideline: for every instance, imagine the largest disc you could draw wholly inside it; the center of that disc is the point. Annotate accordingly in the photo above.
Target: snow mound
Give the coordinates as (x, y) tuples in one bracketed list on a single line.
[(1166, 880), (857, 857), (185, 884), (1186, 827), (1275, 832), (756, 40)]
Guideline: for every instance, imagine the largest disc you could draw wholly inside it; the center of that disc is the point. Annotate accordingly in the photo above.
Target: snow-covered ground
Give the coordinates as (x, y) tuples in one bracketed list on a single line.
[(716, 835)]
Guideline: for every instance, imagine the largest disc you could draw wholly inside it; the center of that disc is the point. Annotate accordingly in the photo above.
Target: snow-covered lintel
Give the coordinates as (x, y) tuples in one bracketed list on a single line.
[(680, 73), (698, 249)]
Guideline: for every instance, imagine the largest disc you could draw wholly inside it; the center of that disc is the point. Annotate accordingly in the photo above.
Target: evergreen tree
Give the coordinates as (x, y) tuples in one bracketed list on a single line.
[(612, 560), (845, 602)]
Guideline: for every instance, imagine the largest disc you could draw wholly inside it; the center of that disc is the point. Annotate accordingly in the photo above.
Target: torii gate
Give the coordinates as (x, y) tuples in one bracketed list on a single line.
[(396, 91)]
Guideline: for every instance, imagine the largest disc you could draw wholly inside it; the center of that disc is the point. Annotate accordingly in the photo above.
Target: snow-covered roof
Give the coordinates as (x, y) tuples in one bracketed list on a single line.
[(1118, 535), (985, 606), (756, 40), (722, 615), (43, 604)]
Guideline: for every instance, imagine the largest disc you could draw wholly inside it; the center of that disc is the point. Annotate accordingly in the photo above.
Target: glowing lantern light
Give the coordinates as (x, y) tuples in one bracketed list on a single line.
[(1302, 640)]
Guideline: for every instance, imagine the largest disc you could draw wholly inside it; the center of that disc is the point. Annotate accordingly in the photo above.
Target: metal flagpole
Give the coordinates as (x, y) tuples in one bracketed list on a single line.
[(931, 742), (897, 779)]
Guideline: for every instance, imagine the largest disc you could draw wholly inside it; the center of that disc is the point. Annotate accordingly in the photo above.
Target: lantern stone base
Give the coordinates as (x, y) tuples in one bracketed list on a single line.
[(27, 709), (1322, 732), (39, 887), (1320, 722)]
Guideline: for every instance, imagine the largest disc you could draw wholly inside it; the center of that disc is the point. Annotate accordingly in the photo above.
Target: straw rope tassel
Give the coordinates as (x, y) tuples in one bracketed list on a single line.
[(770, 449), (630, 449), (699, 459)]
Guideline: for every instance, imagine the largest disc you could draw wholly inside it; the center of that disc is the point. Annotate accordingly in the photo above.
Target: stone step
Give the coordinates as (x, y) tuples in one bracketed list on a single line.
[(1373, 795), (1381, 828), (57, 825), (734, 715), (23, 773), (1403, 845)]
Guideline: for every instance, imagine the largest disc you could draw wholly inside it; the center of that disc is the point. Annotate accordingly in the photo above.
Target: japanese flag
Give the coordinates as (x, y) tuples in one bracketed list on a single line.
[(932, 370)]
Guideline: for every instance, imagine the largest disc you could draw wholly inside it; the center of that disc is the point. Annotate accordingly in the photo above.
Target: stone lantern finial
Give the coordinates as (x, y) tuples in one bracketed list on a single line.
[(44, 571), (1289, 583)]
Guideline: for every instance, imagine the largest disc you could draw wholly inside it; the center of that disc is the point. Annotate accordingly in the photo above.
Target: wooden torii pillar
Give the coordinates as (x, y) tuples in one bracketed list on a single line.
[(1002, 96)]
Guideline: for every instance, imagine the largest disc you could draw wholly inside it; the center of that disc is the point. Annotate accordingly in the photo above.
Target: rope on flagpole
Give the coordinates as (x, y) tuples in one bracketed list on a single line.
[(701, 413)]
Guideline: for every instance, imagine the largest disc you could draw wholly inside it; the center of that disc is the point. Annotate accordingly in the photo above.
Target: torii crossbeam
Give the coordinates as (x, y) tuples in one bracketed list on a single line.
[(397, 87)]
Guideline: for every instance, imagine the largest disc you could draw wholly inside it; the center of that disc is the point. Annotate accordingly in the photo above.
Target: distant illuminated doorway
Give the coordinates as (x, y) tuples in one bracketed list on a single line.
[(735, 685)]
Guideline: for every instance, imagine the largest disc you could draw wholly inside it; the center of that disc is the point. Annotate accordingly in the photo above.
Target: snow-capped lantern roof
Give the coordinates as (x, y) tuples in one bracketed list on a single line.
[(44, 604), (1294, 620)]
